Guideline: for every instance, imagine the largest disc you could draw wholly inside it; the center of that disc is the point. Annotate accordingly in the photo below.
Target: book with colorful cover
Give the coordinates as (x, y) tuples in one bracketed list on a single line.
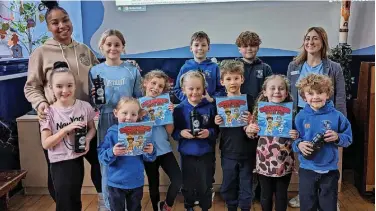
[(157, 109), (231, 110), (134, 136), (274, 119)]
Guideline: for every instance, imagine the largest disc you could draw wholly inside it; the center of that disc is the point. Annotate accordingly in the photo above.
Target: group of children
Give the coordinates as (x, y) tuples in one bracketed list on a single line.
[(244, 155)]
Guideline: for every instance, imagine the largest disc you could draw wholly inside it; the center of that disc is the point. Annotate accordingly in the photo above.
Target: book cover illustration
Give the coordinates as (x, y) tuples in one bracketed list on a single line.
[(134, 136), (231, 110), (274, 119), (157, 109)]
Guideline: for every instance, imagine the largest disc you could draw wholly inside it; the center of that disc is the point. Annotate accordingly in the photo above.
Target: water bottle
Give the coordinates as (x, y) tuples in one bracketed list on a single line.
[(99, 91), (317, 142), (80, 140), (195, 122)]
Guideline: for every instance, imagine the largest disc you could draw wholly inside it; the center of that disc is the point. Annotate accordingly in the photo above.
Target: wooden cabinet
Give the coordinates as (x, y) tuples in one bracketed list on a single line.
[(364, 112)]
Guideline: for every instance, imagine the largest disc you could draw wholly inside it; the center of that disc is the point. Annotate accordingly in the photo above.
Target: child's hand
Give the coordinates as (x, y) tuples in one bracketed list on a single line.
[(171, 107), (119, 149), (133, 62), (246, 116), (74, 125), (143, 113), (207, 96), (218, 120), (203, 133), (330, 136), (252, 128), (149, 148), (92, 92), (305, 147), (294, 134), (186, 134)]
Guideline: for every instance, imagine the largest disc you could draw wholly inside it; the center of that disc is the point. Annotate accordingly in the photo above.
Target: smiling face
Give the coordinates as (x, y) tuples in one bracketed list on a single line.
[(248, 52), (276, 90), (313, 43), (199, 48), (232, 83), (193, 88), (112, 47), (60, 26), (315, 99), (127, 112), (154, 87), (63, 86)]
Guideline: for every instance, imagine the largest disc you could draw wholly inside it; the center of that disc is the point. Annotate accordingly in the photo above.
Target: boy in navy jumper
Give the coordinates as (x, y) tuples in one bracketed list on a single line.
[(125, 173), (318, 177), (200, 43), (197, 157), (236, 147)]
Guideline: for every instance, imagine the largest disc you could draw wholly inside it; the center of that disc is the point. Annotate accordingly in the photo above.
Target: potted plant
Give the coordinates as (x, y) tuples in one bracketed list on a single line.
[(342, 55)]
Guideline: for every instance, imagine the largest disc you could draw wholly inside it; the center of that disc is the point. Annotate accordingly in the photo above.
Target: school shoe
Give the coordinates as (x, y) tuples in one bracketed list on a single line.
[(294, 202), (162, 206), (189, 209)]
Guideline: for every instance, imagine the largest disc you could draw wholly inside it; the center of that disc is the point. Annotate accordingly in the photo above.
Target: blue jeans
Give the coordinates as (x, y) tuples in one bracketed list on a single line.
[(121, 198), (318, 191), (236, 187)]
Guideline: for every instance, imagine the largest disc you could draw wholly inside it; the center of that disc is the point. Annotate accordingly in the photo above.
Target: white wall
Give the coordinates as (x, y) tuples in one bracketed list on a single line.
[(281, 25)]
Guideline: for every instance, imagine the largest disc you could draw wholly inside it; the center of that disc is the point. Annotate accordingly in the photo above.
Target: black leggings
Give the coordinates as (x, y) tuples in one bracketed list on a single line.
[(92, 158), (171, 167), (277, 185), (67, 177)]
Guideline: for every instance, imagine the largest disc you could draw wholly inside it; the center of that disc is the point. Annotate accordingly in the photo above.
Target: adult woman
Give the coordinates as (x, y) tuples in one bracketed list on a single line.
[(61, 47), (314, 59)]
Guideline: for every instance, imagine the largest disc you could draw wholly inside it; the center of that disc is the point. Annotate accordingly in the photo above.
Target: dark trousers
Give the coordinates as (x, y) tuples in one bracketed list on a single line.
[(277, 185), (92, 158), (197, 180), (119, 196), (67, 178), (318, 191), (171, 167), (236, 187)]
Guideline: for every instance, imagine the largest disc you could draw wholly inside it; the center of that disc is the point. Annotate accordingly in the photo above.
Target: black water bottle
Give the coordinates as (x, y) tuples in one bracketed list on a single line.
[(99, 91), (195, 122), (80, 140), (317, 142)]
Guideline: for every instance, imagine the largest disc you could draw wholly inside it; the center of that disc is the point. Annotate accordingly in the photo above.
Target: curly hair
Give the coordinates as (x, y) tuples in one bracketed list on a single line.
[(315, 82), (230, 66), (155, 74), (200, 35), (263, 98), (248, 38)]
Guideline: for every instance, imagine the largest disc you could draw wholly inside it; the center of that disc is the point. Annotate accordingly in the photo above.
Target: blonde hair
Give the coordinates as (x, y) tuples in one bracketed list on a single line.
[(192, 74), (263, 98), (316, 82), (111, 32), (302, 57), (155, 74), (231, 66), (127, 100)]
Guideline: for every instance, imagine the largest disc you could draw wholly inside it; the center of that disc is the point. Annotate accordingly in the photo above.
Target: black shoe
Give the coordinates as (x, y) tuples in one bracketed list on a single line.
[(189, 209)]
